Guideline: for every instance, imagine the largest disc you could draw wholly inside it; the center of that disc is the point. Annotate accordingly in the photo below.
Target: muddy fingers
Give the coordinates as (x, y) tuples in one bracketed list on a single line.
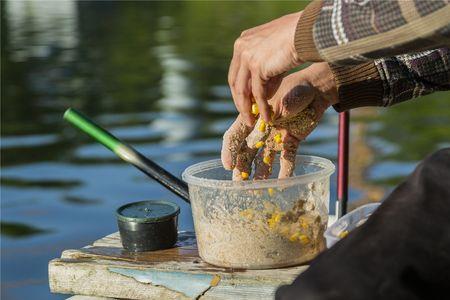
[(263, 163), (287, 157), (258, 136), (244, 160), (233, 140)]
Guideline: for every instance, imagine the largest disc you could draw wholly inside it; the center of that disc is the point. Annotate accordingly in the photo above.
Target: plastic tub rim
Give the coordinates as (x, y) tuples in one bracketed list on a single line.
[(188, 175), (125, 219)]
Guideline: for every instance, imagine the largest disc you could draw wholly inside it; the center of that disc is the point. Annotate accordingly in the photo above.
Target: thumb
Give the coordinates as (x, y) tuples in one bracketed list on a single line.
[(292, 97)]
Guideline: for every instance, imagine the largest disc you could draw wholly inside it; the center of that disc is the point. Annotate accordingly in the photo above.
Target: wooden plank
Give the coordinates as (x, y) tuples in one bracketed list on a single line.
[(91, 278), (87, 271)]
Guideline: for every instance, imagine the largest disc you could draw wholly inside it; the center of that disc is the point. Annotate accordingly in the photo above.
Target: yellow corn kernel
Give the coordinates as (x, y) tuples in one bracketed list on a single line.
[(271, 191), (266, 160), (294, 237), (304, 225), (303, 239), (215, 281), (301, 223), (277, 138), (277, 217), (343, 234), (259, 144), (244, 175), (255, 109), (274, 219), (271, 223), (262, 126)]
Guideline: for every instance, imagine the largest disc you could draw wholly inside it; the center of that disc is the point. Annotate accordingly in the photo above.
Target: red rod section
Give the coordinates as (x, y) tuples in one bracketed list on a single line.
[(342, 176)]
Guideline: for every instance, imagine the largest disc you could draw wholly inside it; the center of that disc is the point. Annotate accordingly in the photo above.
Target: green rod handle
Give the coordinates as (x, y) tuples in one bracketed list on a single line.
[(88, 126), (128, 153)]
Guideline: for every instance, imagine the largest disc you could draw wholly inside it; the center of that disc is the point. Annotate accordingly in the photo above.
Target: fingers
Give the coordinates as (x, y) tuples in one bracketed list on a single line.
[(259, 94), (232, 71), (247, 152), (235, 63), (293, 95), (319, 106), (296, 99), (300, 125), (244, 160), (287, 157), (233, 139), (263, 163), (258, 136), (239, 82), (272, 85), (242, 95), (265, 158)]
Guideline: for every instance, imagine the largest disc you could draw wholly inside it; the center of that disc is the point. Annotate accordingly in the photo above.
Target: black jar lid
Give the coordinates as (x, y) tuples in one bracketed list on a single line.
[(147, 211)]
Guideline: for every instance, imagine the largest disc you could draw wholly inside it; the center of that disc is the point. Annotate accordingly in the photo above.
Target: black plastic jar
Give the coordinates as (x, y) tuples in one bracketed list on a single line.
[(148, 225)]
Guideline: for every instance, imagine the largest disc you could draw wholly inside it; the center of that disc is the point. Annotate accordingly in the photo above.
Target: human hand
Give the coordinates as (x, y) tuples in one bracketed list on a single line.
[(297, 106), (261, 57)]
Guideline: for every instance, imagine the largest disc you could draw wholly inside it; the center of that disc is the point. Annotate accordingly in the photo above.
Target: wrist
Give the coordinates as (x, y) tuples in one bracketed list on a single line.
[(294, 53), (321, 77), (357, 86)]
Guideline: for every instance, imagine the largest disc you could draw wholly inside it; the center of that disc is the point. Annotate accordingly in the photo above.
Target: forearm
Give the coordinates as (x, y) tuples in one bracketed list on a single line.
[(389, 81), (351, 32)]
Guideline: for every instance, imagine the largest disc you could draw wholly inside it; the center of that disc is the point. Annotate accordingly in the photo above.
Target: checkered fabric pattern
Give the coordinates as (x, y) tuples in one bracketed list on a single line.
[(355, 26), (381, 52), (413, 75)]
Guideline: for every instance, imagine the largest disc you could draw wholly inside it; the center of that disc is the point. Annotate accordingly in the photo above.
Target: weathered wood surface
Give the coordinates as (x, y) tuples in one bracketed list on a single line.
[(88, 271)]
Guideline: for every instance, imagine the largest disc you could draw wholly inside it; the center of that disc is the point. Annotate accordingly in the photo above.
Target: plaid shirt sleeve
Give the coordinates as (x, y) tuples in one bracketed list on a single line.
[(347, 32), (365, 42), (392, 80)]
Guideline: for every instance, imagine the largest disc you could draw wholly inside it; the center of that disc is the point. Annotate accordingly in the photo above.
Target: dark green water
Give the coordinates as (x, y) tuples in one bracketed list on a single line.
[(153, 73)]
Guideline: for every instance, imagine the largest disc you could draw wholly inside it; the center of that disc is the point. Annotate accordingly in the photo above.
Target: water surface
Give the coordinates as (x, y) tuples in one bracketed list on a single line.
[(154, 73)]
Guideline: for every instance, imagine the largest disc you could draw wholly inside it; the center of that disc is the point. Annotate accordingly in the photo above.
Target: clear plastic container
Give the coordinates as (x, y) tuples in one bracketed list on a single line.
[(260, 224), (347, 223)]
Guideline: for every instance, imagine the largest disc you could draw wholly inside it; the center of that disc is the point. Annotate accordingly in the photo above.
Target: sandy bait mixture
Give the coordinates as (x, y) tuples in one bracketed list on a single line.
[(299, 125), (267, 139), (262, 235)]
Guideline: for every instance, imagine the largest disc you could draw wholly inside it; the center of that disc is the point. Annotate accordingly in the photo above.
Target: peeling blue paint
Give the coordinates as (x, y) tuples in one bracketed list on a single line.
[(191, 285)]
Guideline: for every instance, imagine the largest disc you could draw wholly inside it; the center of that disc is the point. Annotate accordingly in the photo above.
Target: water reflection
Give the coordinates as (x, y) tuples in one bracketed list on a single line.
[(155, 74), (18, 230)]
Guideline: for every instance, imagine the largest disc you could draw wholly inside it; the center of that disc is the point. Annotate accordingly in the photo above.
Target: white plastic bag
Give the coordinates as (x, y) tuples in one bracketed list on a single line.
[(349, 222)]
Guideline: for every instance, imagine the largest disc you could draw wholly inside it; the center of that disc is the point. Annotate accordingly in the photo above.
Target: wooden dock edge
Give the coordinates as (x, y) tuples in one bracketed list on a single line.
[(92, 278), (102, 271)]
